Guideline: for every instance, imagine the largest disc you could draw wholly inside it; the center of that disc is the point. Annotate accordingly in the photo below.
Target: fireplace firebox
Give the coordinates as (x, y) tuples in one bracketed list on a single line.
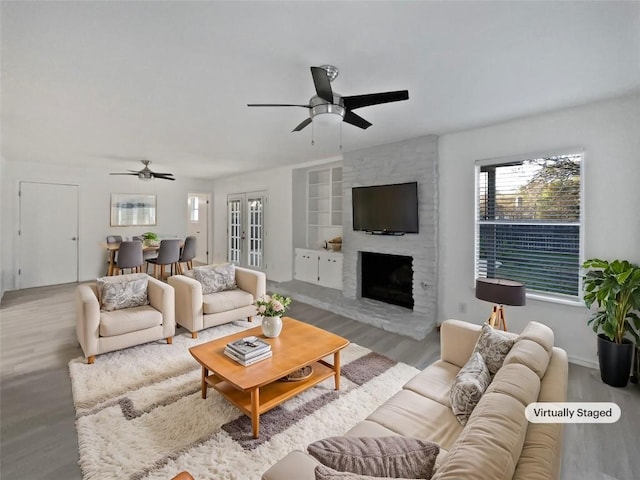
[(387, 278)]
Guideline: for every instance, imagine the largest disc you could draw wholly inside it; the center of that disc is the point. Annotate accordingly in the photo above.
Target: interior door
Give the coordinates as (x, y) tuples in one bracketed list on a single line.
[(198, 225), (245, 229), (48, 234)]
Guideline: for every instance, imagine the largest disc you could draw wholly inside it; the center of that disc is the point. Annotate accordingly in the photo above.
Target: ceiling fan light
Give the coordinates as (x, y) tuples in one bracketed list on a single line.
[(327, 114), (327, 119)]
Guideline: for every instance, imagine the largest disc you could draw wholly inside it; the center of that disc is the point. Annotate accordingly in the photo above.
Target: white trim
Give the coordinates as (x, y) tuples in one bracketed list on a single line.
[(584, 363), (532, 156), (568, 300)]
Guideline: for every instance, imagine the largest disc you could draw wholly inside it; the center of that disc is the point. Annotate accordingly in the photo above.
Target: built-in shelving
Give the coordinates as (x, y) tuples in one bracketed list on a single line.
[(324, 205)]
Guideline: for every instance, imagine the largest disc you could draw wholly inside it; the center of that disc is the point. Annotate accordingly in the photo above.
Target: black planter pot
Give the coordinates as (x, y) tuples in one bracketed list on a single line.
[(615, 361)]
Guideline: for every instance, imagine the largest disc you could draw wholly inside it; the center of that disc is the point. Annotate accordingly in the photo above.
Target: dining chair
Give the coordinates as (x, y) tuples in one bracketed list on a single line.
[(113, 256), (187, 254), (168, 254), (129, 256)]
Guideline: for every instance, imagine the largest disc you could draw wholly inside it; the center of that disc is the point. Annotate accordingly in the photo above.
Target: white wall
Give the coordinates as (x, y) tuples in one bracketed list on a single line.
[(2, 216), (609, 133), (95, 188), (278, 247), (278, 215)]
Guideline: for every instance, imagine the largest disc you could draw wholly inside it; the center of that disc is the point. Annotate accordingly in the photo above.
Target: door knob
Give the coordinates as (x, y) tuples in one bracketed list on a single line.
[(73, 238)]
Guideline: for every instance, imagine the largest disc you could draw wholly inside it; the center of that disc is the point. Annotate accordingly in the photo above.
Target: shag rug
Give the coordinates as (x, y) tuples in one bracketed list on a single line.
[(140, 415)]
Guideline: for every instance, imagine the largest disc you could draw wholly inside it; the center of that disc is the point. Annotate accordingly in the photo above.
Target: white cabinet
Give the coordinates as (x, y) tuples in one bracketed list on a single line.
[(306, 266), (330, 270), (319, 267)]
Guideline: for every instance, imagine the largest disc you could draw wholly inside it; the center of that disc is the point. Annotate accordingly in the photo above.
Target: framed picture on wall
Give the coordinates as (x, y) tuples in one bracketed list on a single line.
[(130, 209)]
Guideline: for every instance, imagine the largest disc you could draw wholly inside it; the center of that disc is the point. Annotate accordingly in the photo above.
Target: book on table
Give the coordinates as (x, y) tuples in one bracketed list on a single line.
[(249, 361), (248, 347)]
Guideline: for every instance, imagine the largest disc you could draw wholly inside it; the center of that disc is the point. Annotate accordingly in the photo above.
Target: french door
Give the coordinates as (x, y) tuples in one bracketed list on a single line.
[(245, 229)]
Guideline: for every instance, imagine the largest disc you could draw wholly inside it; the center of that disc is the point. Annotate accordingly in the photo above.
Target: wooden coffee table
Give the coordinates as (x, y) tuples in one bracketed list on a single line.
[(255, 389)]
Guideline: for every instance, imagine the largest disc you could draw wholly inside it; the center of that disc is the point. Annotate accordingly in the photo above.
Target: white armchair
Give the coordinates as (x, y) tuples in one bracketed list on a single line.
[(195, 311), (105, 331)]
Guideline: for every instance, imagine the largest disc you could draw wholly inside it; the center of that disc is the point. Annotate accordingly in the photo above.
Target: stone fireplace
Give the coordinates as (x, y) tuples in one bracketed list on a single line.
[(387, 278), (406, 161)]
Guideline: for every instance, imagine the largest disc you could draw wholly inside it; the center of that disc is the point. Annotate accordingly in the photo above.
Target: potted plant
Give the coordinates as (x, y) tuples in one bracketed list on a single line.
[(150, 238), (614, 287)]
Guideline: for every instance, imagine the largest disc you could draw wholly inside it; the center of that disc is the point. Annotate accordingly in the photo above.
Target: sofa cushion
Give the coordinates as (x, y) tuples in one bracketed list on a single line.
[(434, 382), (468, 387), (539, 333), (518, 382), (216, 278), (225, 301), (391, 456), (323, 472), (122, 291), (529, 353), (367, 428), (413, 415), (493, 346), (129, 320), (489, 446)]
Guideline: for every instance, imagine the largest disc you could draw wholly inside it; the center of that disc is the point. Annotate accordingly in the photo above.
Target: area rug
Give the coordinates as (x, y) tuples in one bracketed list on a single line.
[(140, 415)]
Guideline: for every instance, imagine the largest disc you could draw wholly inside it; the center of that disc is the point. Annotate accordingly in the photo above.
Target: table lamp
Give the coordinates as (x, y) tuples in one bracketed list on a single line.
[(500, 292)]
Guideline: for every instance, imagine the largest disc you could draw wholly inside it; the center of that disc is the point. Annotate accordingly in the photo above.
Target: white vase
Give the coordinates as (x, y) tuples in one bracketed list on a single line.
[(271, 326)]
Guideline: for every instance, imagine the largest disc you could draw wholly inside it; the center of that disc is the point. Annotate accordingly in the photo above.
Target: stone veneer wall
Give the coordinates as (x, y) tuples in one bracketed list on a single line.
[(407, 161)]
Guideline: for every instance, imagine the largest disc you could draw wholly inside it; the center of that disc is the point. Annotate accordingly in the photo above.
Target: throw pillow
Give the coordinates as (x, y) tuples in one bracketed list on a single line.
[(323, 472), (493, 346), (392, 456), (123, 291), (216, 278), (468, 386)]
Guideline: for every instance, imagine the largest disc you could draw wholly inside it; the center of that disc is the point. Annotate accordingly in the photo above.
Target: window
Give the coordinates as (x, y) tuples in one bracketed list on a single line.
[(194, 209), (528, 221)]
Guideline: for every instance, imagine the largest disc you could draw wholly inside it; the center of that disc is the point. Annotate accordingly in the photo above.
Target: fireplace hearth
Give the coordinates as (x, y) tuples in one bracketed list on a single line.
[(387, 278)]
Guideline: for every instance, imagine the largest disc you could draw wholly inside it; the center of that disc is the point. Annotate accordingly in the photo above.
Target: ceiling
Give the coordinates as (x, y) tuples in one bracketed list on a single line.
[(105, 84)]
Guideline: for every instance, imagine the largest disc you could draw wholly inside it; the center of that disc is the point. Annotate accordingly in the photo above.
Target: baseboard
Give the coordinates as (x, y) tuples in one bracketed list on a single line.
[(584, 363)]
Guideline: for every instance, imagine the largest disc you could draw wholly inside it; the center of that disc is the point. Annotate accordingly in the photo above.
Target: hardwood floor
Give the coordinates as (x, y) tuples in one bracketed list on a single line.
[(38, 438)]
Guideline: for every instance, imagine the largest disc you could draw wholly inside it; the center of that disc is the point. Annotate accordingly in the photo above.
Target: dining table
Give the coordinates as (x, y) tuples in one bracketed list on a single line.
[(112, 249)]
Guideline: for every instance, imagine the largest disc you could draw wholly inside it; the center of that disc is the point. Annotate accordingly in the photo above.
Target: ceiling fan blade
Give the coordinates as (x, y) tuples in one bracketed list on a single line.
[(164, 176), (359, 101), (322, 83), (356, 120), (303, 124), (277, 105), (124, 173)]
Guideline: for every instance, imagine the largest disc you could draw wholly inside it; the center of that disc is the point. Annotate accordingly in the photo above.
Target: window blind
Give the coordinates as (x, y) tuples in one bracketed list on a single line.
[(528, 223)]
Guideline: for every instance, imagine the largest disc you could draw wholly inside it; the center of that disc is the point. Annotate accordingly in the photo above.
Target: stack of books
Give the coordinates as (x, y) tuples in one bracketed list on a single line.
[(248, 350)]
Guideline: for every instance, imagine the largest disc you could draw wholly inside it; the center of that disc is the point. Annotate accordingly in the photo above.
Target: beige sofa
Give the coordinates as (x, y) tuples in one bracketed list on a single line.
[(101, 332), (195, 311), (497, 442)]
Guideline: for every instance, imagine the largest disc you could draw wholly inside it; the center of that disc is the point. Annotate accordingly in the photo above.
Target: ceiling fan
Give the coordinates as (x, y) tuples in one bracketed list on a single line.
[(328, 101), (146, 173)]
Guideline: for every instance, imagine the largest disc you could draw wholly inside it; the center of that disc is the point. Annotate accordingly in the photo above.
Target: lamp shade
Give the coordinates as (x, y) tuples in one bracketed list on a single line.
[(503, 292)]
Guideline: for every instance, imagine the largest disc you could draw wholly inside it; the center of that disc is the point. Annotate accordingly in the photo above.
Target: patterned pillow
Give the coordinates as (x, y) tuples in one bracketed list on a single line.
[(123, 291), (468, 386), (216, 278), (323, 472), (393, 456), (493, 346)]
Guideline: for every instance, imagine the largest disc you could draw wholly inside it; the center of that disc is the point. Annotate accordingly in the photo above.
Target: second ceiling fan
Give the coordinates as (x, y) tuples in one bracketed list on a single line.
[(327, 101)]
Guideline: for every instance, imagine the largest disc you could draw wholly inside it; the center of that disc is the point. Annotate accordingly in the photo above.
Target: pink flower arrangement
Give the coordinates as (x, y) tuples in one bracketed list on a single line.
[(272, 305)]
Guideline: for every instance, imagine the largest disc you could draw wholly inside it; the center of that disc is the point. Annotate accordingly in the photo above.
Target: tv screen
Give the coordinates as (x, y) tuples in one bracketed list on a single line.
[(390, 209)]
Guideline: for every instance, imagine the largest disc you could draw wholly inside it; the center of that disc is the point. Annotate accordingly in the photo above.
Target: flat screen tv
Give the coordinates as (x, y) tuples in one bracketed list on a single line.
[(386, 209)]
